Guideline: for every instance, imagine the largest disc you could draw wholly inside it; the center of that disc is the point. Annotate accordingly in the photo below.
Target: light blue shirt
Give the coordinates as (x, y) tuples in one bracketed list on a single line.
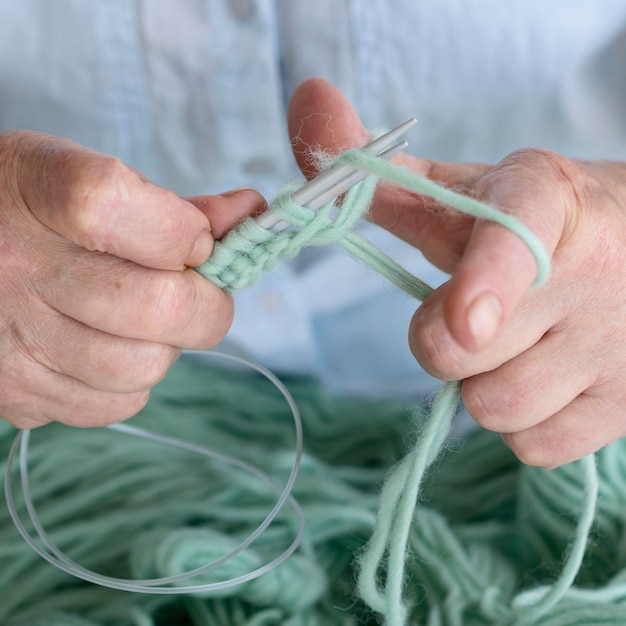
[(194, 94)]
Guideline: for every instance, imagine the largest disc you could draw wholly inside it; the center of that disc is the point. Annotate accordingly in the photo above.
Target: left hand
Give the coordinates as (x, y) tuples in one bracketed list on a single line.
[(98, 298), (544, 366)]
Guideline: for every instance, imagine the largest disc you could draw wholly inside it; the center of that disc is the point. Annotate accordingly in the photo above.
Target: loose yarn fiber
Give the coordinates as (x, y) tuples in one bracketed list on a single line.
[(476, 538)]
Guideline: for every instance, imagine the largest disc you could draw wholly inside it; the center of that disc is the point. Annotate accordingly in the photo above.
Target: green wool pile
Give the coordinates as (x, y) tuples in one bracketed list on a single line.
[(487, 527)]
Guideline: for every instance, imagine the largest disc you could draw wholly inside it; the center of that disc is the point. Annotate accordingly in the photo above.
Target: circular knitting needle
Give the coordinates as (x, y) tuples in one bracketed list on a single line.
[(332, 182)]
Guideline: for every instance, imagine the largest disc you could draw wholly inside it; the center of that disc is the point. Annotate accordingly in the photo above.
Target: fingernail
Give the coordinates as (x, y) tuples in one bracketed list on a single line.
[(201, 249), (234, 192), (483, 317)]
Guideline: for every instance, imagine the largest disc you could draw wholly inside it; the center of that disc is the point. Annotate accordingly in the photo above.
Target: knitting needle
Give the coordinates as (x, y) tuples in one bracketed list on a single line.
[(354, 177), (325, 180), (337, 179), (326, 195)]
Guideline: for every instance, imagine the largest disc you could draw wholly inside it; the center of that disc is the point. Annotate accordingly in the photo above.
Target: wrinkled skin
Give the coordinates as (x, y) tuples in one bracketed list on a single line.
[(545, 366), (97, 295)]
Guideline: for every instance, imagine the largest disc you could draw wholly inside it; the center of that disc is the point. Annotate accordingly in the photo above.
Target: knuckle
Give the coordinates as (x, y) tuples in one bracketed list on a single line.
[(484, 404), (20, 401), (436, 354), (102, 409), (135, 369), (557, 169), (177, 305), (508, 398), (126, 406), (499, 402), (151, 365), (21, 409), (97, 197), (534, 177), (164, 304), (541, 158), (526, 448)]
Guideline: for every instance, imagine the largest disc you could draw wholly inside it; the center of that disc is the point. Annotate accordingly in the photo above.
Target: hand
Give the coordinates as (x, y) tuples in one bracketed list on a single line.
[(97, 294), (544, 366)]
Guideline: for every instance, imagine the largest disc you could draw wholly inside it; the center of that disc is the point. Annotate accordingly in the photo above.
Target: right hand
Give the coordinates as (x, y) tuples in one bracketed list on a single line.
[(545, 367), (97, 295)]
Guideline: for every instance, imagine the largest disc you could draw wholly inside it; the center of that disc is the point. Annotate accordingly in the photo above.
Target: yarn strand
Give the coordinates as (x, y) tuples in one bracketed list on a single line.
[(465, 204), (406, 539), (382, 566), (538, 602), (395, 513)]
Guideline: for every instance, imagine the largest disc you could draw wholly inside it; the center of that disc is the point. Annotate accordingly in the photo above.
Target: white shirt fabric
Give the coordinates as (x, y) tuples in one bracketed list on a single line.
[(194, 94)]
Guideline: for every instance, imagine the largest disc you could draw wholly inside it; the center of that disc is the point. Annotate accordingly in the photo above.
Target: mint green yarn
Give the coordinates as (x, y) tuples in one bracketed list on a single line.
[(395, 512), (296, 586), (464, 204), (486, 531), (460, 535), (249, 250), (131, 507)]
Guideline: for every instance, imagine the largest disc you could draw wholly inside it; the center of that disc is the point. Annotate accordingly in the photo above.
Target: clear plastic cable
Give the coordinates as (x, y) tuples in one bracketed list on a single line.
[(46, 548)]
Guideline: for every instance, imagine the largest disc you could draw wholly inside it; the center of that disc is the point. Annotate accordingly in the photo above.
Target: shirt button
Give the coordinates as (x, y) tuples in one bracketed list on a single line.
[(242, 9)]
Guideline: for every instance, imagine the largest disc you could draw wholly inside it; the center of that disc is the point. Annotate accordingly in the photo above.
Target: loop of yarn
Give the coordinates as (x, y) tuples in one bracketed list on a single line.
[(465, 204), (455, 564), (248, 251)]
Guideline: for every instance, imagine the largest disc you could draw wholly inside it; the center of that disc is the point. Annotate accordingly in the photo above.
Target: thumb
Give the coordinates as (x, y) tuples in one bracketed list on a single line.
[(497, 266)]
